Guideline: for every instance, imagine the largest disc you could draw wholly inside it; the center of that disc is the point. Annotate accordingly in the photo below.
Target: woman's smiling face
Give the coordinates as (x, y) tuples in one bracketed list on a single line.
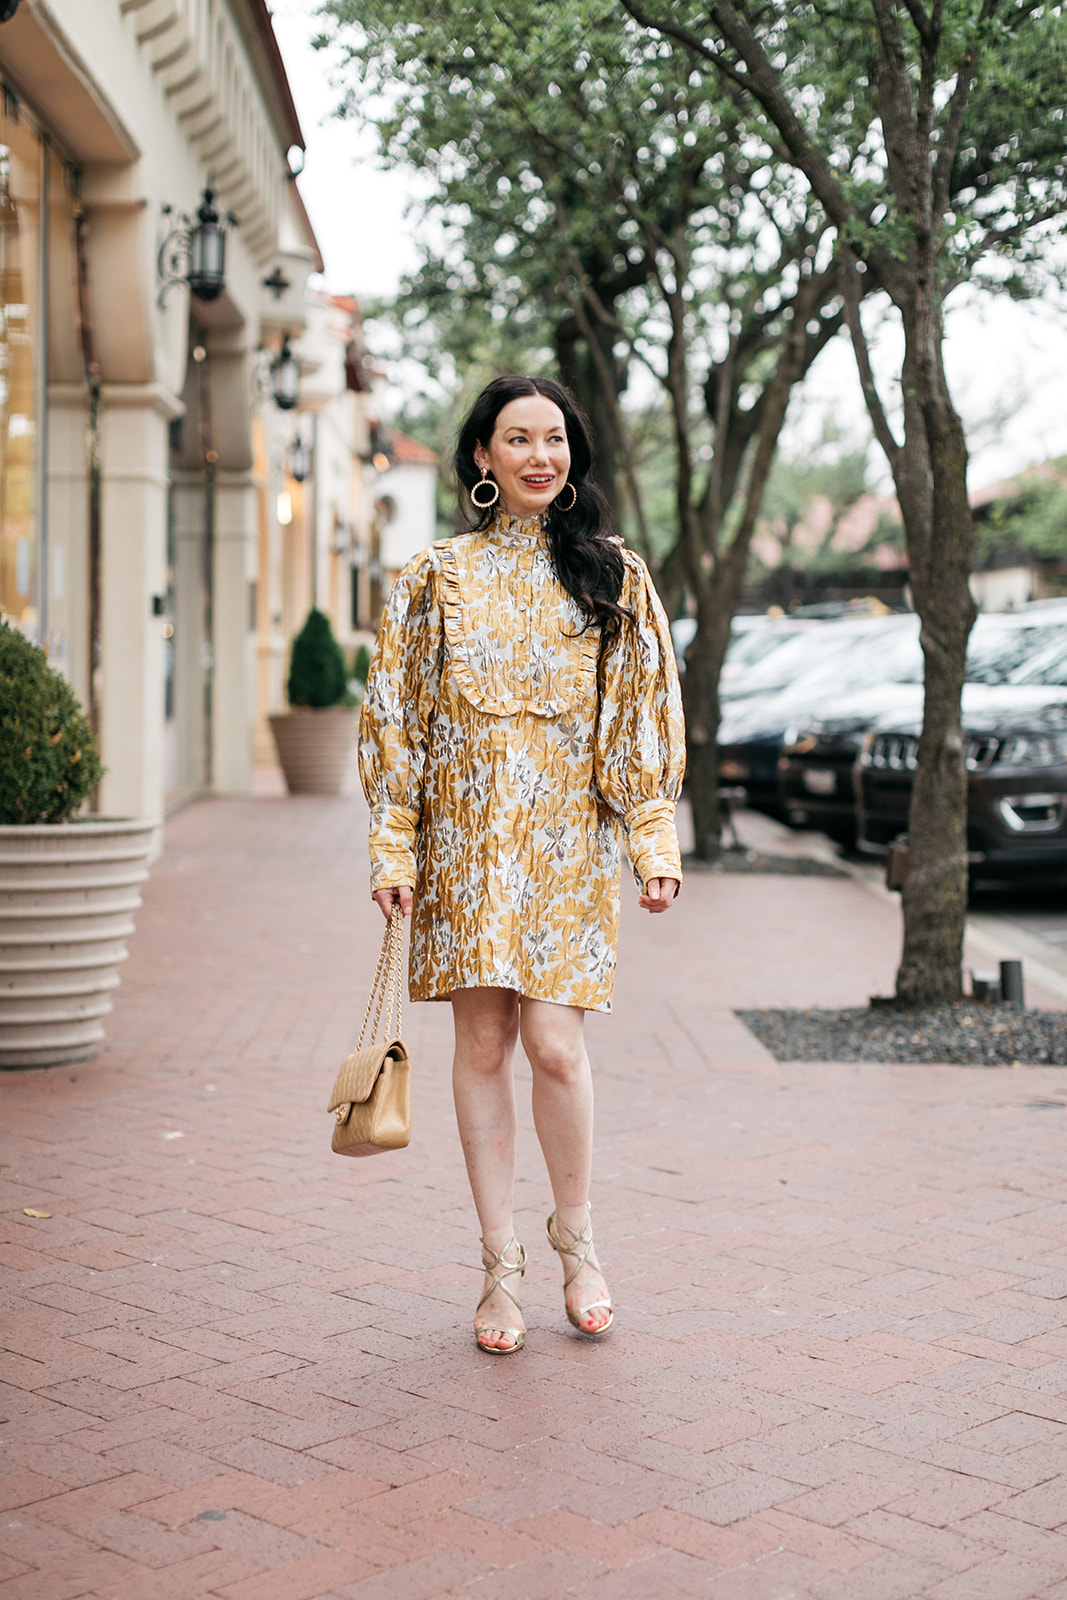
[(528, 454)]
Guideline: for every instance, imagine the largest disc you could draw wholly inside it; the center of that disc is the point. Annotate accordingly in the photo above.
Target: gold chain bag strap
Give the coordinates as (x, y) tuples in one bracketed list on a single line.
[(371, 1100)]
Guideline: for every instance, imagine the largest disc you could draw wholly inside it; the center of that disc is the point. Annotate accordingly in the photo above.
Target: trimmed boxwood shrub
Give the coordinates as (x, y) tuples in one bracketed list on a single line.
[(317, 674), (361, 663), (49, 759)]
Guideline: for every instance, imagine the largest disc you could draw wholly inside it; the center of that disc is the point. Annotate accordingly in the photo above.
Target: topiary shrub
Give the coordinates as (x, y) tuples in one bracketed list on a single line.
[(49, 759), (317, 674), (361, 663)]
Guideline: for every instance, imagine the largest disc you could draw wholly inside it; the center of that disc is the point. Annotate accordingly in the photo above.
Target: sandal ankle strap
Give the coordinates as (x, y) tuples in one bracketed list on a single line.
[(579, 1248), (499, 1268)]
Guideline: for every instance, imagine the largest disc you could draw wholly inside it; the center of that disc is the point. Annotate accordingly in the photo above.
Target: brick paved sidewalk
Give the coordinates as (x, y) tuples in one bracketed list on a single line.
[(238, 1367)]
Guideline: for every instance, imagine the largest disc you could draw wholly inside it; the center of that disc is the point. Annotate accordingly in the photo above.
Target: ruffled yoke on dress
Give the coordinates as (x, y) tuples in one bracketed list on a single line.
[(502, 750)]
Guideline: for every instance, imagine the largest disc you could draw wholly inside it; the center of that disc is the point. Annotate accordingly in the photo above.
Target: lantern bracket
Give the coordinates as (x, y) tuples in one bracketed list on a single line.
[(193, 250)]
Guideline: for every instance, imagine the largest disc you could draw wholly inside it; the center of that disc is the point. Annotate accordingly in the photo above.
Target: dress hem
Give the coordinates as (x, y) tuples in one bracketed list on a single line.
[(603, 1009)]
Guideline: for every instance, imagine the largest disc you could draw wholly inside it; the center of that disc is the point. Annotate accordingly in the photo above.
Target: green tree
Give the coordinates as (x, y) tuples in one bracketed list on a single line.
[(931, 134), (1032, 517), (601, 196)]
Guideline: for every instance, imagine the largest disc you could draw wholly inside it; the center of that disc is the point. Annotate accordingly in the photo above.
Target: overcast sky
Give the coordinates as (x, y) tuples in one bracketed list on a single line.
[(1007, 363)]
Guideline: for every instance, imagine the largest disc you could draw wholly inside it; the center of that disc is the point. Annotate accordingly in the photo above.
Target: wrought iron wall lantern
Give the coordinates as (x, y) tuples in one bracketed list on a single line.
[(195, 252), (285, 377), (299, 460)]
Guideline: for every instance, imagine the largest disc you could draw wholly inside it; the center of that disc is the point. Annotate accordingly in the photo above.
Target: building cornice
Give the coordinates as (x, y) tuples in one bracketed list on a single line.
[(254, 20)]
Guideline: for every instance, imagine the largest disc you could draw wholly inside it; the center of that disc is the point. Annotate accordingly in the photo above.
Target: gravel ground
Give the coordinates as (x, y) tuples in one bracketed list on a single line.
[(966, 1035), (757, 861)]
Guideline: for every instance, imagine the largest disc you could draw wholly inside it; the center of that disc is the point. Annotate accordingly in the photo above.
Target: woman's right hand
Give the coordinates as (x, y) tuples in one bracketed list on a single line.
[(386, 899)]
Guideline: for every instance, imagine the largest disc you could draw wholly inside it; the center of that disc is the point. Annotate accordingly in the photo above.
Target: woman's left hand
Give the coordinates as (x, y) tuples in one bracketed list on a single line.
[(659, 894)]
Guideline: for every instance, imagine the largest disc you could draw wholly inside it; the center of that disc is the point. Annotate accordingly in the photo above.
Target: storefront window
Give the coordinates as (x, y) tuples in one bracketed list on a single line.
[(20, 211), (43, 396)]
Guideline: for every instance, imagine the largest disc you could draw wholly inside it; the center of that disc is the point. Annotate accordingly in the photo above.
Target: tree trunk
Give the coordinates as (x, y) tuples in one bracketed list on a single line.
[(941, 552), (716, 600), (582, 373), (700, 698)]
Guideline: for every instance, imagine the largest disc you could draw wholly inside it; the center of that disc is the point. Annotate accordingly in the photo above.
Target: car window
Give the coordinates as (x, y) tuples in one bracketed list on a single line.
[(996, 654), (755, 644), (797, 657), (889, 654), (1048, 665)]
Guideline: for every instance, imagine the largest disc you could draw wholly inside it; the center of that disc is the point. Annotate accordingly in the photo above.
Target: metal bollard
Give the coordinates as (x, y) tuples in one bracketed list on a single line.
[(896, 862), (1011, 984), (985, 988)]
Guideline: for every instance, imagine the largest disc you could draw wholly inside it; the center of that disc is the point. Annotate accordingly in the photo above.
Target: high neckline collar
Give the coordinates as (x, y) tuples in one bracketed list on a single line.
[(521, 529)]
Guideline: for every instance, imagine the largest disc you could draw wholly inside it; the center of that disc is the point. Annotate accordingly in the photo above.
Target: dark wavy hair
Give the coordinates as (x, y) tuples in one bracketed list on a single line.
[(585, 552)]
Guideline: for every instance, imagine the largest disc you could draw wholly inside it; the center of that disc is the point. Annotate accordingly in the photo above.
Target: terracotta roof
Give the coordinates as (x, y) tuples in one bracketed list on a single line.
[(407, 450), (1006, 488)]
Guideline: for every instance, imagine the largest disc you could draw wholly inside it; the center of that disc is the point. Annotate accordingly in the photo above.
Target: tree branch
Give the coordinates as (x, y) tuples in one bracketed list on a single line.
[(761, 82), (580, 305), (957, 108), (923, 25), (850, 289)]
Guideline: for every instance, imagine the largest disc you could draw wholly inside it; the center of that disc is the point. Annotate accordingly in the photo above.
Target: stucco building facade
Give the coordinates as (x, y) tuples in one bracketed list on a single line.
[(154, 536)]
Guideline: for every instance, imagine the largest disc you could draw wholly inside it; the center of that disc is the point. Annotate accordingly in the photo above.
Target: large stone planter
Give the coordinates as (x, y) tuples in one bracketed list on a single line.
[(68, 892), (315, 747)]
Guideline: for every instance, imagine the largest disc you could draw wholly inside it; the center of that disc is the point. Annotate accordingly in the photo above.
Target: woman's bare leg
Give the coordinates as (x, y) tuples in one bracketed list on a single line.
[(554, 1040), (487, 1025)]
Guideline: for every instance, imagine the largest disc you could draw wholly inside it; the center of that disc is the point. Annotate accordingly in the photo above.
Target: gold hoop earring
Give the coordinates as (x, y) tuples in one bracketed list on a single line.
[(486, 483), (574, 497)]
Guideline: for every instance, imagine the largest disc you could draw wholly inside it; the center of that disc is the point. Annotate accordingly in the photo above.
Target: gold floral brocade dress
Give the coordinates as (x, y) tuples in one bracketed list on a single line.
[(502, 753)]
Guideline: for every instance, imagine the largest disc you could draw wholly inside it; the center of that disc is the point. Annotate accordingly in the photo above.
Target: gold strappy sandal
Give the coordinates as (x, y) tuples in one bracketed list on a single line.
[(580, 1246), (499, 1269)]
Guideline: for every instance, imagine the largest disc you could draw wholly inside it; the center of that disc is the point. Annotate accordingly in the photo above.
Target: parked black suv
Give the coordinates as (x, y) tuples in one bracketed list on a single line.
[(1016, 756), (816, 770), (812, 671)]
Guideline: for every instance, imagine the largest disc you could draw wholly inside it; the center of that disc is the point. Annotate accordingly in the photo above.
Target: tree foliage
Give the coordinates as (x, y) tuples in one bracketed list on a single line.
[(1031, 518), (931, 134)]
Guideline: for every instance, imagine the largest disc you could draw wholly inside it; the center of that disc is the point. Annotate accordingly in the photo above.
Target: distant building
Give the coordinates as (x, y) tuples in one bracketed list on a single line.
[(410, 493), (401, 485), (1012, 570)]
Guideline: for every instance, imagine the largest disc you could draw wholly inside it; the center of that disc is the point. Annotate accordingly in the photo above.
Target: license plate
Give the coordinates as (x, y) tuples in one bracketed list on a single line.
[(818, 781)]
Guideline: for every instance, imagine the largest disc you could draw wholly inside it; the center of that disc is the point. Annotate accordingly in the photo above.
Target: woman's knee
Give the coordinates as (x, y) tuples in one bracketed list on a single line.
[(486, 1031), (484, 1051), (559, 1061), (554, 1041)]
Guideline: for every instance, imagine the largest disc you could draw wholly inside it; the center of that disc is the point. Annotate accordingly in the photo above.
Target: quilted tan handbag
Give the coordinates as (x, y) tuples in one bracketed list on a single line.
[(371, 1099)]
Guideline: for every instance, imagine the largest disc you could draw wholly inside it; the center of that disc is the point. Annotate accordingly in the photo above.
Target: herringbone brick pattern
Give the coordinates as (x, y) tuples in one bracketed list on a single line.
[(235, 1366)]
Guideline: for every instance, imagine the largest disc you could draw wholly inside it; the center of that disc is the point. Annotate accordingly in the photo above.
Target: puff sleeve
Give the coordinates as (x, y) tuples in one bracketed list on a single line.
[(402, 689), (640, 737)]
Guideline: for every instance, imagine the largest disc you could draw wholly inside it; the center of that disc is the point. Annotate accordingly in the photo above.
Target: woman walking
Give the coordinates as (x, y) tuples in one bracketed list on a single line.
[(522, 709)]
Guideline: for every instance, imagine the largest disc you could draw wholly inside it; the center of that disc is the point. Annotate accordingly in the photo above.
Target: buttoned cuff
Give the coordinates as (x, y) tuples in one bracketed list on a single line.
[(394, 833), (652, 842)]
